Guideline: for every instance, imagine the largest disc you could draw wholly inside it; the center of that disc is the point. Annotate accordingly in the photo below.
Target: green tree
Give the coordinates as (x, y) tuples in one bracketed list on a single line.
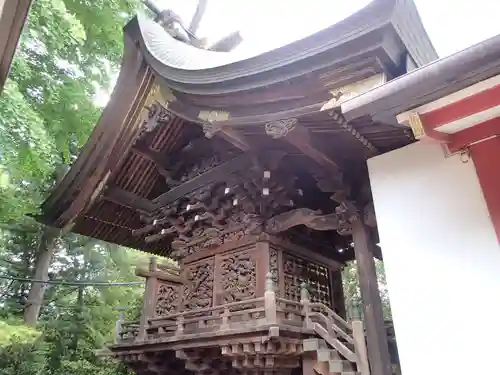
[(352, 292), (67, 54)]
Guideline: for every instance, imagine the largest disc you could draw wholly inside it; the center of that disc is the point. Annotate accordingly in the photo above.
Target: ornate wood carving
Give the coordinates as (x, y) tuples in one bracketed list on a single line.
[(297, 271), (198, 290), (281, 128), (311, 219), (156, 115), (274, 268), (238, 277), (221, 211), (167, 299)]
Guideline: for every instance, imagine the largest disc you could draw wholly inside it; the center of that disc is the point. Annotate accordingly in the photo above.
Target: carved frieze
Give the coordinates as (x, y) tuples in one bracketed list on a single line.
[(199, 286), (221, 212), (236, 226), (167, 299), (238, 277), (274, 268)]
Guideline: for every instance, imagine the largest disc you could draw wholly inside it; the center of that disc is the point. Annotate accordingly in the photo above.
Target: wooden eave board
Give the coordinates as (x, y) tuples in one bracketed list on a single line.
[(13, 16), (186, 65), (428, 83)]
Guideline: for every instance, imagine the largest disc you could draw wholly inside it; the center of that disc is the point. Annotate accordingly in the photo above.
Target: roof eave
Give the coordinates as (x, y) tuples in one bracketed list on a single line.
[(428, 83), (13, 15)]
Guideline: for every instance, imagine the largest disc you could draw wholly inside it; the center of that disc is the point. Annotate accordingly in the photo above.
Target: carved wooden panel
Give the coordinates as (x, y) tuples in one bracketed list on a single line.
[(198, 290), (274, 269), (316, 276), (167, 298), (238, 277)]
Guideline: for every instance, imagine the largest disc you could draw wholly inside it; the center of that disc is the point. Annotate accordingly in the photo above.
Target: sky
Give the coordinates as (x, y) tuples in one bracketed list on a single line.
[(452, 25), (266, 24)]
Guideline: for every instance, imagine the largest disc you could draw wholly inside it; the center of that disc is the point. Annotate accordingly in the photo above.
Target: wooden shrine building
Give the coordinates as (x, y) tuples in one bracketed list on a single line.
[(246, 172)]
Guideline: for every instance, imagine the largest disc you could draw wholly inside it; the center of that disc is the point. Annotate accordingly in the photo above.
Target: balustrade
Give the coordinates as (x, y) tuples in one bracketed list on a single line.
[(265, 312)]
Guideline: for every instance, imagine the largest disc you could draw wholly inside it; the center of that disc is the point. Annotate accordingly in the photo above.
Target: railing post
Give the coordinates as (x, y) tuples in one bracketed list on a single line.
[(305, 301), (180, 325), (149, 301), (358, 334), (118, 327), (225, 319), (270, 300)]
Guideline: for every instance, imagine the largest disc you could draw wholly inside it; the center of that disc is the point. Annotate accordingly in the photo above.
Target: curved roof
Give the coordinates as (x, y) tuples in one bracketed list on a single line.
[(184, 64), (294, 80), (117, 179)]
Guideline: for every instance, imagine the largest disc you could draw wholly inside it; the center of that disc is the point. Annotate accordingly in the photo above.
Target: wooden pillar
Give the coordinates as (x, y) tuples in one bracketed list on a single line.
[(338, 293), (378, 350), (148, 306), (270, 300)]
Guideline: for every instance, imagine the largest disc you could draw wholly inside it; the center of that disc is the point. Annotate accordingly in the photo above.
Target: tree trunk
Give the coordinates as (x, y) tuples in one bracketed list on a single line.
[(36, 293)]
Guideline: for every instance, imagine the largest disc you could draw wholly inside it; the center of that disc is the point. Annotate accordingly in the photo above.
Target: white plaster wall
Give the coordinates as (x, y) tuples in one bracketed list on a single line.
[(442, 261)]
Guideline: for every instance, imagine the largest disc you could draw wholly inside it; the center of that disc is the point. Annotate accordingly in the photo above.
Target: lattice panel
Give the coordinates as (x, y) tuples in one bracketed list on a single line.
[(297, 270)]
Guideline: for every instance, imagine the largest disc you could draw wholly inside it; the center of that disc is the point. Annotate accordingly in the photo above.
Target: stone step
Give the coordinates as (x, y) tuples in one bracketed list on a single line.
[(311, 345)]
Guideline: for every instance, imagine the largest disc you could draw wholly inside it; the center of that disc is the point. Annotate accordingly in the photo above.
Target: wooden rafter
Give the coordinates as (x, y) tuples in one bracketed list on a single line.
[(240, 162), (127, 199), (235, 138), (301, 139)]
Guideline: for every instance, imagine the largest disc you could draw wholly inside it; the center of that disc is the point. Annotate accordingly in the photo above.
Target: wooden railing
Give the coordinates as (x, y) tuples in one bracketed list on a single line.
[(262, 311), (347, 338)]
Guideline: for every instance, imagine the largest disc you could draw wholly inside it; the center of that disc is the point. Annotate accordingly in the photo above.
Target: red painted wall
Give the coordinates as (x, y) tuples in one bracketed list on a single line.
[(486, 157)]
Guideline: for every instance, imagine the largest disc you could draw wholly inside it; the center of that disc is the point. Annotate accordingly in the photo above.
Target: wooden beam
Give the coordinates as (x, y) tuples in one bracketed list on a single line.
[(127, 199), (235, 138), (143, 150), (378, 350), (157, 158), (302, 216), (239, 163), (300, 138)]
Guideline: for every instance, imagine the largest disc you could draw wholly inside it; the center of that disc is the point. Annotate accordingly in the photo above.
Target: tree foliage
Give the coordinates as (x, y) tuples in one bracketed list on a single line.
[(68, 53)]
